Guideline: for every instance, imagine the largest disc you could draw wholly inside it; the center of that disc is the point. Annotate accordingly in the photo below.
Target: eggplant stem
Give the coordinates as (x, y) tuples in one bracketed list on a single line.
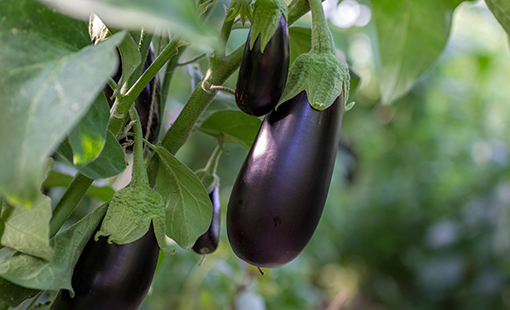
[(223, 88), (202, 261), (262, 272)]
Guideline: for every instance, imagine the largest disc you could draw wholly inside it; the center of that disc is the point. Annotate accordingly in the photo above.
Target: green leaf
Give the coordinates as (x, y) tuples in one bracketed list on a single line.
[(300, 41), (109, 163), (411, 37), (188, 207), (47, 85), (130, 58), (501, 10), (13, 295), (27, 230), (87, 139), (57, 179), (32, 272), (232, 127), (181, 17), (130, 213)]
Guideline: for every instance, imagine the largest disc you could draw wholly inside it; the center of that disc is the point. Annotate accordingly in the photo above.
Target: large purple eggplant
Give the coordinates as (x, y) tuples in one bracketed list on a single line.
[(110, 276), (278, 197), (263, 74)]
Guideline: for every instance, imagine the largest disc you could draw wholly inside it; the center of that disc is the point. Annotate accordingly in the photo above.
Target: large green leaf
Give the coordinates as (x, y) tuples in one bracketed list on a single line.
[(35, 273), (27, 230), (109, 163), (501, 10), (87, 139), (188, 207), (181, 17), (411, 37), (232, 127), (46, 86)]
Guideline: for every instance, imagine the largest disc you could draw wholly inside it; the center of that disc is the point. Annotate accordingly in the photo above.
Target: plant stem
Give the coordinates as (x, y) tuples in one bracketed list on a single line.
[(139, 174), (66, 205), (198, 102), (122, 104), (34, 300), (212, 163), (220, 70), (192, 60), (322, 39), (167, 78)]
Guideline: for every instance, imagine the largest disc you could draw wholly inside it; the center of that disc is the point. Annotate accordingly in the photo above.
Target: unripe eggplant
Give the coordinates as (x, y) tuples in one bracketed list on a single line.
[(208, 242), (263, 74), (279, 194), (110, 276)]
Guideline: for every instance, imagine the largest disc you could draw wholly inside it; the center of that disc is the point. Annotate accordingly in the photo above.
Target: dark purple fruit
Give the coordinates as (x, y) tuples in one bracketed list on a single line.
[(263, 74), (110, 276), (278, 197), (208, 242)]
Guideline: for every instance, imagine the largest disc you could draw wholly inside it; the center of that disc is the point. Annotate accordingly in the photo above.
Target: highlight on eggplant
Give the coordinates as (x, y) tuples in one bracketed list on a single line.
[(263, 74), (280, 191)]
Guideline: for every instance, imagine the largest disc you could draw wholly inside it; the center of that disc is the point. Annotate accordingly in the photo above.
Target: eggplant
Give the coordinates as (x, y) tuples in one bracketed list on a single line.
[(110, 276), (280, 191), (208, 242), (263, 74)]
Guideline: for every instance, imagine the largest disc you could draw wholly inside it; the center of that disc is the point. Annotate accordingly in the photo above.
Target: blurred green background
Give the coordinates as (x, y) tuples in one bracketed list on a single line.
[(418, 213)]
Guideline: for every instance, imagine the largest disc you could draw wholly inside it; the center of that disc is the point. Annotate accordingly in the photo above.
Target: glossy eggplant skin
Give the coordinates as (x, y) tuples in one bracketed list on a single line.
[(263, 74), (280, 191), (208, 242), (111, 276)]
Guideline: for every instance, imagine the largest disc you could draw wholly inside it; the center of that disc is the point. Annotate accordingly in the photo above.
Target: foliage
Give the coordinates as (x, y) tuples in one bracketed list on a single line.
[(417, 215)]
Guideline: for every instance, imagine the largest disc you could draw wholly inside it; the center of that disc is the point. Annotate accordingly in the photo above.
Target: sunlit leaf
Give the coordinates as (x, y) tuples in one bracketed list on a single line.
[(87, 139), (411, 37), (109, 163), (181, 17), (47, 85)]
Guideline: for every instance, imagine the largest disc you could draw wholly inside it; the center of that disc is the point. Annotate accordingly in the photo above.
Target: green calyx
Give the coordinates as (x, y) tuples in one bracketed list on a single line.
[(323, 76), (133, 208), (242, 8), (321, 73), (266, 17), (130, 214)]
